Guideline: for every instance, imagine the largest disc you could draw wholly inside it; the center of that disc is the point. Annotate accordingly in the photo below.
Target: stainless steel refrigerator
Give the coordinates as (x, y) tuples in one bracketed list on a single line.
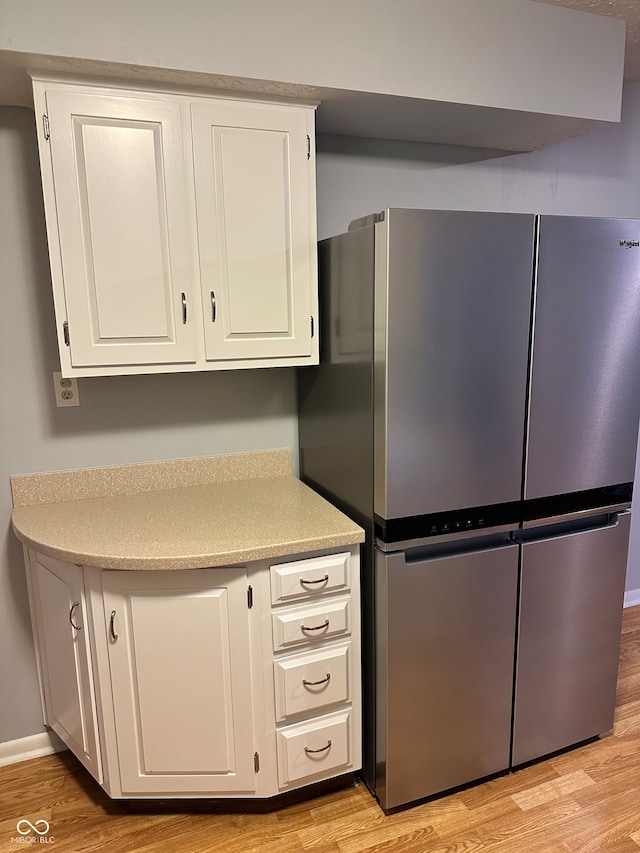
[(476, 410)]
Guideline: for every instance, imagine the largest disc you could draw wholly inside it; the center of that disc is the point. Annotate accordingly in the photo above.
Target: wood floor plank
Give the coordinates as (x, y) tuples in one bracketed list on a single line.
[(586, 800)]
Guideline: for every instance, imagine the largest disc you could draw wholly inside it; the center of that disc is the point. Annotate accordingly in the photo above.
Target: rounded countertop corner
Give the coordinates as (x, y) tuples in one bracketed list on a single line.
[(188, 527)]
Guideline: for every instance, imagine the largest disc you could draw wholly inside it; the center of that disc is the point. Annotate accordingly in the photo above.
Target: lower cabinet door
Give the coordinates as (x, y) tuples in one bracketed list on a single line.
[(179, 653), (67, 679)]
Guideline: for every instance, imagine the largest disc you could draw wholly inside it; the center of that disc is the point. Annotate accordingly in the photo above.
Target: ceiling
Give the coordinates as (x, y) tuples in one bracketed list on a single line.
[(626, 10)]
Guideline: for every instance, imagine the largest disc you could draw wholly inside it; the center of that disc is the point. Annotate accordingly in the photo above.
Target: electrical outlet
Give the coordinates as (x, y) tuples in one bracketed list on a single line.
[(66, 390)]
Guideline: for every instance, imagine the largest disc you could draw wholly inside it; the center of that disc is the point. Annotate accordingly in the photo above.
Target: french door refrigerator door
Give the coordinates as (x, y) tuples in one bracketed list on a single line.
[(445, 636), (584, 400), (452, 318), (571, 595)]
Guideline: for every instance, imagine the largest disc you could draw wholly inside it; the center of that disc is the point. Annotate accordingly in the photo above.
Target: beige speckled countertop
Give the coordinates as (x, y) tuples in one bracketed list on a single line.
[(265, 513)]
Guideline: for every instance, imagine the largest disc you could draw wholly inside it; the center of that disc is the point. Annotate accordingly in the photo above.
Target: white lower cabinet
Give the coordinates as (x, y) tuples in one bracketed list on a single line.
[(180, 665), (315, 624), (178, 683), (62, 641)]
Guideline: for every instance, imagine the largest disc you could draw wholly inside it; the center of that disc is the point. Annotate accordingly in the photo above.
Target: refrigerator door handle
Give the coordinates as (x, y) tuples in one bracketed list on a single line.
[(570, 516), (575, 526)]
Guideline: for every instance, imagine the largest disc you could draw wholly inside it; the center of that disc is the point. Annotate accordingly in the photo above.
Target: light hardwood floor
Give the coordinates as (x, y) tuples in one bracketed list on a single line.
[(583, 800)]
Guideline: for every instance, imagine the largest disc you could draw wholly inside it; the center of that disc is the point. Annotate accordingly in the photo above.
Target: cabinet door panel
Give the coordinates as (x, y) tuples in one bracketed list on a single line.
[(122, 225), (181, 680), (255, 228), (67, 674)]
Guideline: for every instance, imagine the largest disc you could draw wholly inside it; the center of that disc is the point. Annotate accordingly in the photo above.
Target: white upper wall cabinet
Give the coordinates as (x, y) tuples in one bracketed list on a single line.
[(182, 229), (121, 210), (254, 221)]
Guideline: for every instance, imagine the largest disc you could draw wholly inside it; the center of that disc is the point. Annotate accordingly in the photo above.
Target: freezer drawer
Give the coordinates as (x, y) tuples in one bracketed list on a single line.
[(446, 634), (571, 596)]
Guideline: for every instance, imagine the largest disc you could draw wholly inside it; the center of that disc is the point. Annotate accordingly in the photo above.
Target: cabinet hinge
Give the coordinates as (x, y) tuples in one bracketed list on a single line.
[(308, 147), (256, 762), (45, 124), (250, 597), (313, 326), (65, 332)]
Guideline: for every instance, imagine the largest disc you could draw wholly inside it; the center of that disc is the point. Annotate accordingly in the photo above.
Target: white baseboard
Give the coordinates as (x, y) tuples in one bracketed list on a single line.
[(632, 597), (14, 751)]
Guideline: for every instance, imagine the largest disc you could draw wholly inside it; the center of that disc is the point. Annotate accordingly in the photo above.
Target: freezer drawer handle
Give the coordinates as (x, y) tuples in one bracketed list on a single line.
[(536, 532), (324, 625), (320, 580), (324, 680), (322, 748)]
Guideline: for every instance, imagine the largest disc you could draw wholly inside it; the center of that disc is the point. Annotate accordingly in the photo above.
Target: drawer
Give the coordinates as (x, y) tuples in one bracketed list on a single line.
[(312, 681), (311, 624), (322, 746), (311, 577)]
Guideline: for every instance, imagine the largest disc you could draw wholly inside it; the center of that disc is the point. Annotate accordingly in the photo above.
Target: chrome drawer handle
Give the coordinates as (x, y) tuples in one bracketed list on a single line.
[(73, 607), (322, 748), (324, 625), (112, 626), (184, 307), (320, 580), (324, 680)]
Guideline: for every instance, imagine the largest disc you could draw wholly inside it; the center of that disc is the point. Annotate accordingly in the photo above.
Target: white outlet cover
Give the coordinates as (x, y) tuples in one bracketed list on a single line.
[(66, 390)]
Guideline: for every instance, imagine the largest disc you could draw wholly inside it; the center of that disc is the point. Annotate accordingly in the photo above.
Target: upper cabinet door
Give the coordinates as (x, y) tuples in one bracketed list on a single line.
[(119, 227), (255, 202)]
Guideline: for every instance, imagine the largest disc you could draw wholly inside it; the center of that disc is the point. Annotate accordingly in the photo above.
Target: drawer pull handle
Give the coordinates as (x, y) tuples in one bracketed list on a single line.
[(322, 748), (324, 625), (324, 680), (320, 580), (112, 626), (73, 624)]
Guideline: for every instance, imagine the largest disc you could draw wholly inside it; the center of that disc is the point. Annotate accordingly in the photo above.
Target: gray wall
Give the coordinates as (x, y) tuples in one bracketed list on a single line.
[(120, 419), (138, 418), (415, 48), (594, 175)]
